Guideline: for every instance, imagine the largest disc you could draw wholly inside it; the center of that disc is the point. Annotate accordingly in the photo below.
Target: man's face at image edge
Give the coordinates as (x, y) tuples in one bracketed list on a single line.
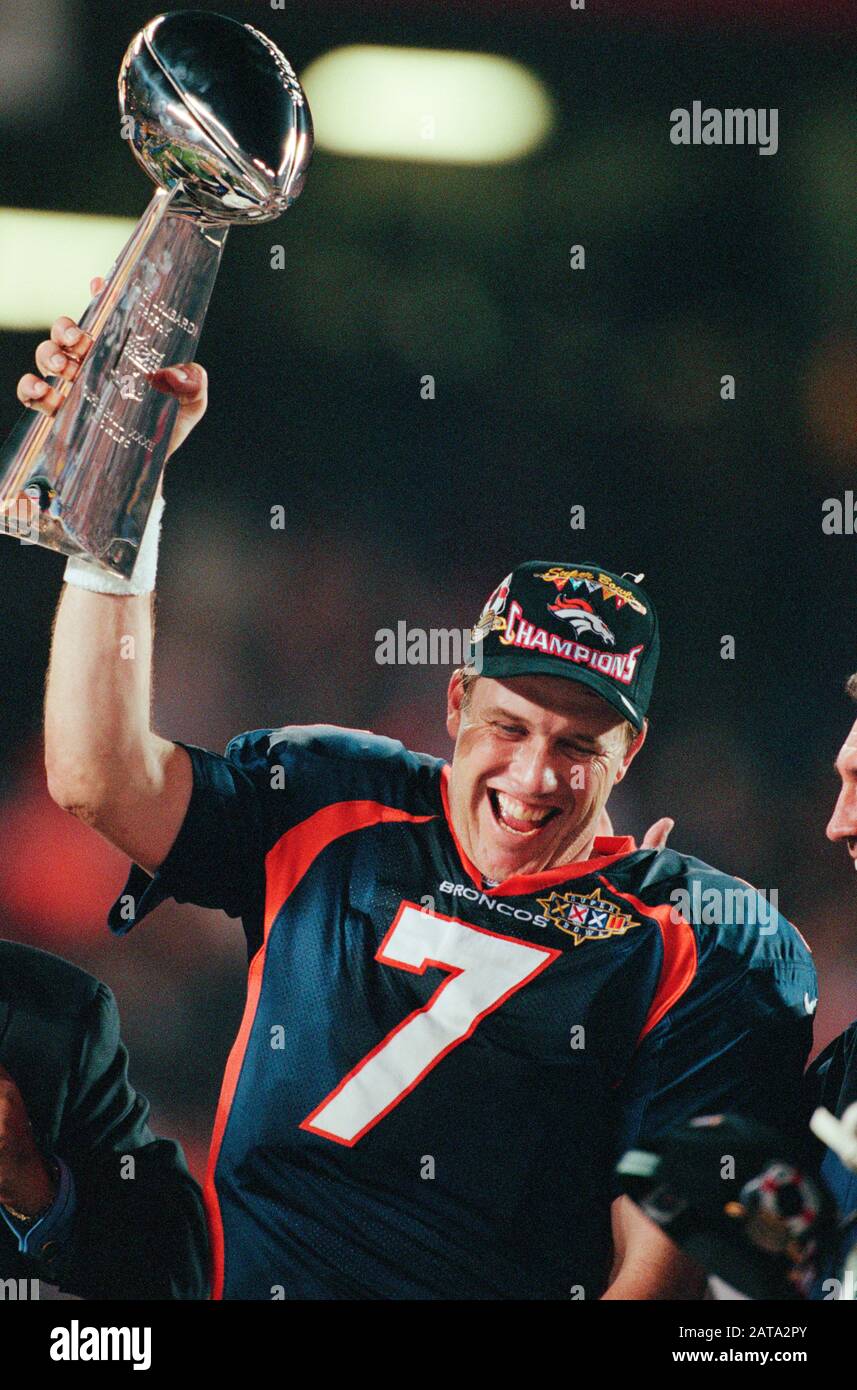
[(843, 822), (535, 760)]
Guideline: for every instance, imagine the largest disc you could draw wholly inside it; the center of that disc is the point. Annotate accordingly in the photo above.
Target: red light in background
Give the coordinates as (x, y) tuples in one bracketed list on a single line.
[(58, 878)]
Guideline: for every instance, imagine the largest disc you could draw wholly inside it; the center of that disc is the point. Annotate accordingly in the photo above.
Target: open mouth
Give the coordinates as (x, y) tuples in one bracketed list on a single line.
[(516, 817)]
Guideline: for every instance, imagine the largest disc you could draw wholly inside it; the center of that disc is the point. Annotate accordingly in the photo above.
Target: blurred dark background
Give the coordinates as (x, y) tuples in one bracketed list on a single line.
[(554, 388)]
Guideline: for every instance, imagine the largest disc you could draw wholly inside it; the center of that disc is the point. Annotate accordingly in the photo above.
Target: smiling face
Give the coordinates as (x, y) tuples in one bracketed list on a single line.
[(535, 760), (843, 822)]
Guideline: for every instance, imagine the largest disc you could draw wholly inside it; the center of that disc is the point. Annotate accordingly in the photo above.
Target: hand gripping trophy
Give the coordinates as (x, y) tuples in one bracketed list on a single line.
[(217, 118)]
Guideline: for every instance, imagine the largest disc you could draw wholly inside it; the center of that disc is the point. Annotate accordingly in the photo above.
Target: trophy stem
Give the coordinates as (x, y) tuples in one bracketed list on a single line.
[(83, 480)]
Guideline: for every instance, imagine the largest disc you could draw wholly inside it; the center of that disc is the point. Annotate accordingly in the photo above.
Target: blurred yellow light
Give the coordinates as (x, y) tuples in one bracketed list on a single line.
[(47, 260), (426, 104)]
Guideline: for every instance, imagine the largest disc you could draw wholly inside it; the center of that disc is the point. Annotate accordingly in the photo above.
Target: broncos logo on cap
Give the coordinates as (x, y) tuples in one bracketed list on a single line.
[(579, 613)]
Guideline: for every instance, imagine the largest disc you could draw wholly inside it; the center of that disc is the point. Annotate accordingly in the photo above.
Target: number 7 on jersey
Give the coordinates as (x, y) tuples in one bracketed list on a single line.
[(484, 970)]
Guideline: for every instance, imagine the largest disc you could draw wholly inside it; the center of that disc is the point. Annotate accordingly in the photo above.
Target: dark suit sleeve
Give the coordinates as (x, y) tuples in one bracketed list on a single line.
[(139, 1230)]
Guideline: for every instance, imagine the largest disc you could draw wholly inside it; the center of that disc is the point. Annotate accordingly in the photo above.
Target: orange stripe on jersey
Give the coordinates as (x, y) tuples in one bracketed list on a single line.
[(678, 968), (288, 860), (285, 865)]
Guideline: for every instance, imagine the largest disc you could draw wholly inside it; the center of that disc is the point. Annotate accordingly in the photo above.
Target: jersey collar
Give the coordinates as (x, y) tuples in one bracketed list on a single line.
[(606, 850)]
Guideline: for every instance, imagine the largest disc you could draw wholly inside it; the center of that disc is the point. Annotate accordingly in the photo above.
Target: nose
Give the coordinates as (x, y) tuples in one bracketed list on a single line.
[(843, 823), (534, 770)]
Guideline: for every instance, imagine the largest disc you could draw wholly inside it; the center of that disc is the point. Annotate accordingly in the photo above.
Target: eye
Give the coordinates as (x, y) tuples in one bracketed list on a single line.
[(511, 729), (572, 751)]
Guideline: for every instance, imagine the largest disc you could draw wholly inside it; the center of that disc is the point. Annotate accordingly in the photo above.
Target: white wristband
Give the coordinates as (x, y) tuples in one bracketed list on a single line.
[(83, 574)]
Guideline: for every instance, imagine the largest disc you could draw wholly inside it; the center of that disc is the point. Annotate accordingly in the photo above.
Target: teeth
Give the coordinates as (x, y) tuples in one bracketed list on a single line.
[(516, 810)]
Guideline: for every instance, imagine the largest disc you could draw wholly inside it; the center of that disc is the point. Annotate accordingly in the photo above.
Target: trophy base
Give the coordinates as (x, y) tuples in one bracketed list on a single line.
[(33, 518)]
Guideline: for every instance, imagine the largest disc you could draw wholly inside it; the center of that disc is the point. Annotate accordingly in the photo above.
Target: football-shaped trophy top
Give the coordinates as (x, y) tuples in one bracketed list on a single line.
[(213, 104)]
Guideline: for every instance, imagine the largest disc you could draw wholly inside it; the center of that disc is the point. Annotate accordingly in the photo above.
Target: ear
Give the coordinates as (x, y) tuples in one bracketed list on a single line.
[(633, 749), (454, 697)]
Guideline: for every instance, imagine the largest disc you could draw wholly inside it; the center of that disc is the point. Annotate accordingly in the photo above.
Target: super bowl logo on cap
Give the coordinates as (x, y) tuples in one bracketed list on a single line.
[(586, 916), (490, 617), (593, 584)]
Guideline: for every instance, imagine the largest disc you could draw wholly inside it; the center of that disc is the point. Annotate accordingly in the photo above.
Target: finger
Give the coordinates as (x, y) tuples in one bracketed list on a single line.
[(657, 835), (96, 284), (186, 381), (73, 341), (52, 361), (37, 394)]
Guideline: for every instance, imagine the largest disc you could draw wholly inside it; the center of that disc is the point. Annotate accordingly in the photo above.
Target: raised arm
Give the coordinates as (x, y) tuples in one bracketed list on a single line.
[(105, 764)]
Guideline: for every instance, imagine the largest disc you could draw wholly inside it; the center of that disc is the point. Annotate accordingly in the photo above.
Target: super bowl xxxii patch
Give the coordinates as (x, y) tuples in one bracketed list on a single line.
[(586, 916)]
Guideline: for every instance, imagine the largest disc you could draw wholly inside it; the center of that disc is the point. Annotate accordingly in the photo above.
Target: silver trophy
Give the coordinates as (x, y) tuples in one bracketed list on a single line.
[(217, 118)]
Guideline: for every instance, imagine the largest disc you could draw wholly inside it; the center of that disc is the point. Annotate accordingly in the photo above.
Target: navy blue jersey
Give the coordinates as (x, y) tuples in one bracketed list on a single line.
[(434, 1078)]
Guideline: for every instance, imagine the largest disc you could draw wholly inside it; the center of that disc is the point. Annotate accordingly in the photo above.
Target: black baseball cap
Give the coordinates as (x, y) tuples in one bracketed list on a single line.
[(580, 621)]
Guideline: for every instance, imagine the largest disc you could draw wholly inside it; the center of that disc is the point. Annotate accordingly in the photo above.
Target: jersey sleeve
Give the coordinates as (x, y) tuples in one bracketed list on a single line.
[(266, 782), (737, 1040), (217, 858)]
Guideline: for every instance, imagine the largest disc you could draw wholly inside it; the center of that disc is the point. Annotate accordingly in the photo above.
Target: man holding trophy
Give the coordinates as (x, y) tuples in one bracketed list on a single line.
[(461, 999), (309, 836)]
